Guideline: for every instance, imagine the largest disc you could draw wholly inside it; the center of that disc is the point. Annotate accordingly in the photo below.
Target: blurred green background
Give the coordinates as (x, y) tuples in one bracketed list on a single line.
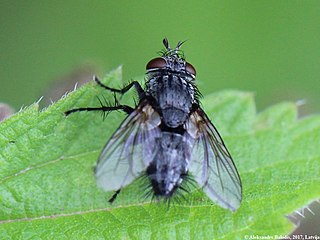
[(269, 47)]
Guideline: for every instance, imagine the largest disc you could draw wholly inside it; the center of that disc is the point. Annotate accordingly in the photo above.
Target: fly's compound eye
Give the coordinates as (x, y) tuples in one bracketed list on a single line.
[(190, 69), (156, 63)]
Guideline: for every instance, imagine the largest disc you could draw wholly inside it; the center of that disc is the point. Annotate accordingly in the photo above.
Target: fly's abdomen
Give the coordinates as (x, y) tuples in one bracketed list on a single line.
[(170, 164)]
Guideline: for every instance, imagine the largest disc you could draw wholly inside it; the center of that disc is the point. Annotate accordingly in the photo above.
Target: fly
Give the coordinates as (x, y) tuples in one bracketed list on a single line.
[(167, 137)]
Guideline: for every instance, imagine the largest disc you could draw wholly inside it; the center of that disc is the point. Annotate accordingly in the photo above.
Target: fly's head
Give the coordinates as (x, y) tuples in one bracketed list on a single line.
[(171, 61)]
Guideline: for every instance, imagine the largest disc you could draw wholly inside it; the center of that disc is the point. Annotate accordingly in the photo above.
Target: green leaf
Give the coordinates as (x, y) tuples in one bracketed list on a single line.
[(48, 190)]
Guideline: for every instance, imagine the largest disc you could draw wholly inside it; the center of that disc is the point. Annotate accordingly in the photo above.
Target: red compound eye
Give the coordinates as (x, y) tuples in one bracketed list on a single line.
[(156, 63), (190, 69)]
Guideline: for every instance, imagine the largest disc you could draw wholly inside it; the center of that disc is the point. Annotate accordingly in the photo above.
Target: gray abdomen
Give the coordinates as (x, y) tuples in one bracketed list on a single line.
[(170, 164)]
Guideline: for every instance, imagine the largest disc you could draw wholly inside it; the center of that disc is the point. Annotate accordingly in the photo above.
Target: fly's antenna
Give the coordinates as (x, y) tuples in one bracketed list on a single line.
[(177, 49), (170, 51), (166, 44)]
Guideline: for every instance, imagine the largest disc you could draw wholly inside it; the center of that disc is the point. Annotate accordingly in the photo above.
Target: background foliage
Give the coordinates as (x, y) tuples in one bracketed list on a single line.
[(270, 48)]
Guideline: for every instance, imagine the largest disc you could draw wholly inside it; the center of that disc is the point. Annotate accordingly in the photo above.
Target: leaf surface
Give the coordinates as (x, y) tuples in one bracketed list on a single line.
[(48, 190)]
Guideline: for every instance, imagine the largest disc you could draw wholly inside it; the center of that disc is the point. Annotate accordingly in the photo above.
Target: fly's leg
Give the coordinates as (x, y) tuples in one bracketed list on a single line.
[(114, 196), (134, 84), (104, 109), (107, 109)]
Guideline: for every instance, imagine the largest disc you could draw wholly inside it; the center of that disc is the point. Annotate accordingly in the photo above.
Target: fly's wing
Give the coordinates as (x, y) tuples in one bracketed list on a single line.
[(211, 164), (130, 149)]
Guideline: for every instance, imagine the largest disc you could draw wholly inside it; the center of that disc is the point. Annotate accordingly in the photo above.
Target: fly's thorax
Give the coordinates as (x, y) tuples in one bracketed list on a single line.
[(174, 95)]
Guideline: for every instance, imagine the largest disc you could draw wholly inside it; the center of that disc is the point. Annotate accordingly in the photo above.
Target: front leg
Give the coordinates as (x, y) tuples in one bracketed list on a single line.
[(135, 84)]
